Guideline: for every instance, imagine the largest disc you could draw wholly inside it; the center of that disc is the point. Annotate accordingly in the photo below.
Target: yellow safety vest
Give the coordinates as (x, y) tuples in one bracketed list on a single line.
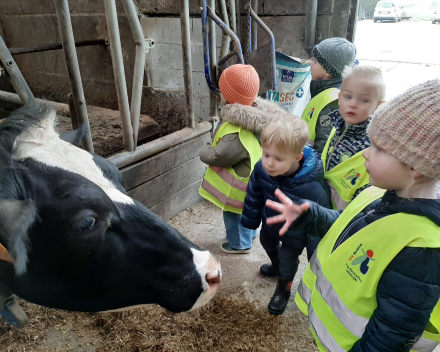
[(222, 186), (345, 178), (313, 109), (338, 290)]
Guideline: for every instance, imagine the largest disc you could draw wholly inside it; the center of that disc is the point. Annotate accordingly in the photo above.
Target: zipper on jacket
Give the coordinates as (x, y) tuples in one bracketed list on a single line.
[(334, 148), (344, 234)]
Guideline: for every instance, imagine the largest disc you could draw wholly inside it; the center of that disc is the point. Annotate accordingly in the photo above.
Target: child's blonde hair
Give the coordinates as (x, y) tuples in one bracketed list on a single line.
[(372, 74), (287, 132)]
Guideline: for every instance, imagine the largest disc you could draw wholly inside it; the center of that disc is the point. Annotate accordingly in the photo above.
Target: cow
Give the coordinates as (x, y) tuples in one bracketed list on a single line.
[(73, 238)]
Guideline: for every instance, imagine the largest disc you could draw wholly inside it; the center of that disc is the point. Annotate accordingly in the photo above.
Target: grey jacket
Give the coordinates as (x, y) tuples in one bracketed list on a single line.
[(230, 152)]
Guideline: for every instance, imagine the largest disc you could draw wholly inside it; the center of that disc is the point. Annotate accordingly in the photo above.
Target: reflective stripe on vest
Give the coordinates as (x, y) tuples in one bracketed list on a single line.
[(338, 289), (345, 178), (313, 109), (222, 186)]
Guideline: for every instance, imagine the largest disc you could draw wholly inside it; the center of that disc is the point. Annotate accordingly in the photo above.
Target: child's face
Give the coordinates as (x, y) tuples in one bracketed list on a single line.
[(318, 72), (277, 162), (385, 170), (357, 100)]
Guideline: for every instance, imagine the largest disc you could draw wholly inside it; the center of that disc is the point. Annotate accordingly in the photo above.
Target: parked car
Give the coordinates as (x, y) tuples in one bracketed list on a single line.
[(436, 16), (387, 11)]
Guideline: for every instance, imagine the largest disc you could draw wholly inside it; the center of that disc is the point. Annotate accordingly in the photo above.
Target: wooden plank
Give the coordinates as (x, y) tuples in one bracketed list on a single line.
[(178, 202), (166, 185), (135, 175)]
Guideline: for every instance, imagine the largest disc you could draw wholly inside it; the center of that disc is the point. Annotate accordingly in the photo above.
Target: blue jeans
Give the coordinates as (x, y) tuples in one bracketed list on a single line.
[(239, 237)]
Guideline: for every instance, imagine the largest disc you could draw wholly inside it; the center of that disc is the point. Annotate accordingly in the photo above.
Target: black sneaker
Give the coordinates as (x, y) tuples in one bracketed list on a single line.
[(228, 249), (268, 270)]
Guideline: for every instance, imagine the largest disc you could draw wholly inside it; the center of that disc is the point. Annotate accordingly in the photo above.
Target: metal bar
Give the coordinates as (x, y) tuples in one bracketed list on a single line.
[(254, 28), (156, 146), (233, 18), (73, 116), (55, 46), (224, 50), (139, 67), (65, 25), (310, 29), (272, 45), (248, 34), (118, 70), (206, 48), (17, 79), (212, 45), (187, 68), (15, 99)]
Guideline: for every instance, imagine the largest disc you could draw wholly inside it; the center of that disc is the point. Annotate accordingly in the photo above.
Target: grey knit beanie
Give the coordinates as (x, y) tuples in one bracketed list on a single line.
[(408, 128), (334, 54)]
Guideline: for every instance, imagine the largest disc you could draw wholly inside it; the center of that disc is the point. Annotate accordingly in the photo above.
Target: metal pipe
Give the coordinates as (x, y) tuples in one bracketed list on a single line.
[(310, 30), (55, 46), (213, 96), (224, 49), (248, 34), (15, 99), (65, 25), (118, 70), (187, 68), (156, 146), (139, 66), (254, 28), (17, 79), (233, 16)]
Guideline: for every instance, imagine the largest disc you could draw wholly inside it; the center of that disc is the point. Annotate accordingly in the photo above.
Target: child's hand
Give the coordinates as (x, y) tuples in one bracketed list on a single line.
[(288, 209)]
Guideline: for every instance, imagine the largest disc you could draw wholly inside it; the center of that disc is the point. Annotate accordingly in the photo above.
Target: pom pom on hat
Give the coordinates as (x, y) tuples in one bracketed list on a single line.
[(239, 84), (408, 127)]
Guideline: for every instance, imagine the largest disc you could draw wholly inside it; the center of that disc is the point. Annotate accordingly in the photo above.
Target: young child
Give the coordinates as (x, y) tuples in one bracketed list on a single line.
[(373, 284), (330, 58), (235, 150), (362, 91), (290, 165)]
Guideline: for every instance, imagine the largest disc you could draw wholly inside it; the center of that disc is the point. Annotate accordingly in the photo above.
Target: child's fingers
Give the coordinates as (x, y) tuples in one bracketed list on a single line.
[(284, 228), (275, 206), (304, 207), (275, 219), (282, 197)]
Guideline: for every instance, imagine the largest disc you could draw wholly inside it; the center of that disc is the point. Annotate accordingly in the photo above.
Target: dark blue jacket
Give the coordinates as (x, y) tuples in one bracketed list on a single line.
[(309, 183), (413, 275)]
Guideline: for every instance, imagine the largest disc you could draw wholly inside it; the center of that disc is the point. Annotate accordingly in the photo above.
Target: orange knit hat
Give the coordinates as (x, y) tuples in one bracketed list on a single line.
[(239, 84)]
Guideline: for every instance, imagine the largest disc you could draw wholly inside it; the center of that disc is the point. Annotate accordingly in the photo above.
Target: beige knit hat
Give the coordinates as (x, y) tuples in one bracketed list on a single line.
[(408, 127)]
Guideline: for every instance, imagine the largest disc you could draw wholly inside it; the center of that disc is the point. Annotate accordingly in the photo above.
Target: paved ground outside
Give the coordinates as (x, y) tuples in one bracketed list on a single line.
[(408, 54)]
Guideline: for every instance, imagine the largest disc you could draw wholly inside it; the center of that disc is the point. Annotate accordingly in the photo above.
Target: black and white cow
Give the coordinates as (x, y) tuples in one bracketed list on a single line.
[(78, 242)]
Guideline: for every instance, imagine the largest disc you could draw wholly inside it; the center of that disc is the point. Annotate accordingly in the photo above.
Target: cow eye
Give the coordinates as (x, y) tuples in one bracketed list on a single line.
[(85, 223)]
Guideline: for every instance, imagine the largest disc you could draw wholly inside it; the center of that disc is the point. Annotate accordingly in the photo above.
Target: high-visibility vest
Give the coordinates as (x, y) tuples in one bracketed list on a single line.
[(222, 186), (345, 178), (313, 109), (338, 290)]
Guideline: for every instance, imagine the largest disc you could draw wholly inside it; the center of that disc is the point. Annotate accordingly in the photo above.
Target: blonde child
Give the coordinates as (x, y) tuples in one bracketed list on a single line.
[(287, 164), (362, 91), (373, 283)]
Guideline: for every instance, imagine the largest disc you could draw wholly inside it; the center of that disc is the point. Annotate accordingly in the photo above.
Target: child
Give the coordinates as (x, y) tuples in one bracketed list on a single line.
[(290, 165), (362, 91), (330, 57), (235, 150), (373, 284)]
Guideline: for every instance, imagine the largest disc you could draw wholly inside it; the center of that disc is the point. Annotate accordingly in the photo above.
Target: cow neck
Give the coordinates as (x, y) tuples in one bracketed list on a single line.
[(4, 255)]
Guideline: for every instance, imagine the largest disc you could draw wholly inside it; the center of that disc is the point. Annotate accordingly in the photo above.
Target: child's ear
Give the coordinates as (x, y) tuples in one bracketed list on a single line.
[(299, 157)]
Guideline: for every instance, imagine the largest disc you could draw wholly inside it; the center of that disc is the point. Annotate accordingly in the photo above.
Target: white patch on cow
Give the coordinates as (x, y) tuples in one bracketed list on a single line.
[(43, 144), (201, 261)]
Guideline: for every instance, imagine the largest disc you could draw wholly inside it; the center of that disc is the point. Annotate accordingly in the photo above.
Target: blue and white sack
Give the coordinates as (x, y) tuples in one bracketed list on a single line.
[(293, 84)]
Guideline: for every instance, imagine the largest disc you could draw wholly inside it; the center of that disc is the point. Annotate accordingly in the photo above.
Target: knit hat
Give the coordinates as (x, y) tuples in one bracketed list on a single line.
[(408, 127), (239, 84), (334, 54)]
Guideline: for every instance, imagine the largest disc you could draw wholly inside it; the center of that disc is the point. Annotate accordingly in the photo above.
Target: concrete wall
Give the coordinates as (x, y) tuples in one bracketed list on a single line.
[(34, 22)]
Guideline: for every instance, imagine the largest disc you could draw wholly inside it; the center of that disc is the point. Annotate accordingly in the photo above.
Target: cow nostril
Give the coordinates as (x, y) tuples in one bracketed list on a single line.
[(214, 277)]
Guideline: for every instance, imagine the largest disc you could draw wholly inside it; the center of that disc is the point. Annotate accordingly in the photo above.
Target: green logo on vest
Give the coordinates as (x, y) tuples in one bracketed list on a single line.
[(352, 176), (362, 260)]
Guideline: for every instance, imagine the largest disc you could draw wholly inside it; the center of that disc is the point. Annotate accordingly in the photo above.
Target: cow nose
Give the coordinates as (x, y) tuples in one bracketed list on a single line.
[(214, 274)]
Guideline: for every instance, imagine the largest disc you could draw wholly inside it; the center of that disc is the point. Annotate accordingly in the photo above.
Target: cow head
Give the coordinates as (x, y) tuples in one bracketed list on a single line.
[(76, 241)]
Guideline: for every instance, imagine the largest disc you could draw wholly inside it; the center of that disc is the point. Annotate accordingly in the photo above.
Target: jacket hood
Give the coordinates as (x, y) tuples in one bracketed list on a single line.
[(417, 206), (252, 118)]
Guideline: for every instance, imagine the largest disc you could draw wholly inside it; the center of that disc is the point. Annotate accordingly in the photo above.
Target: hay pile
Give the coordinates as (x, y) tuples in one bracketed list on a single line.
[(226, 324)]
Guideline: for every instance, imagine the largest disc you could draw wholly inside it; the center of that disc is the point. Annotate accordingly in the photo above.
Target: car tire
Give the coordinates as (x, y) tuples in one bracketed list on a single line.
[(433, 21), (375, 20), (394, 20)]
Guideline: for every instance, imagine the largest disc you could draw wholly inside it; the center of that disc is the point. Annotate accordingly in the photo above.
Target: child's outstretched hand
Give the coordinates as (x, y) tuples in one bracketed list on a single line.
[(288, 209)]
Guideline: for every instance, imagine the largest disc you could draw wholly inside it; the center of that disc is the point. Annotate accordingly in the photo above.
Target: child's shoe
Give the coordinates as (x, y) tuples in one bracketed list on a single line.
[(268, 270), (281, 296), (228, 249)]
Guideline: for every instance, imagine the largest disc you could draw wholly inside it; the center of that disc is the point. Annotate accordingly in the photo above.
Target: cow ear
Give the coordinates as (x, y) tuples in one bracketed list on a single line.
[(75, 137), (16, 217)]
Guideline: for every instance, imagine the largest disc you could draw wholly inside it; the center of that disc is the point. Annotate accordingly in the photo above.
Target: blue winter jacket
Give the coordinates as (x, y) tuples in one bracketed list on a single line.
[(309, 184), (410, 285)]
